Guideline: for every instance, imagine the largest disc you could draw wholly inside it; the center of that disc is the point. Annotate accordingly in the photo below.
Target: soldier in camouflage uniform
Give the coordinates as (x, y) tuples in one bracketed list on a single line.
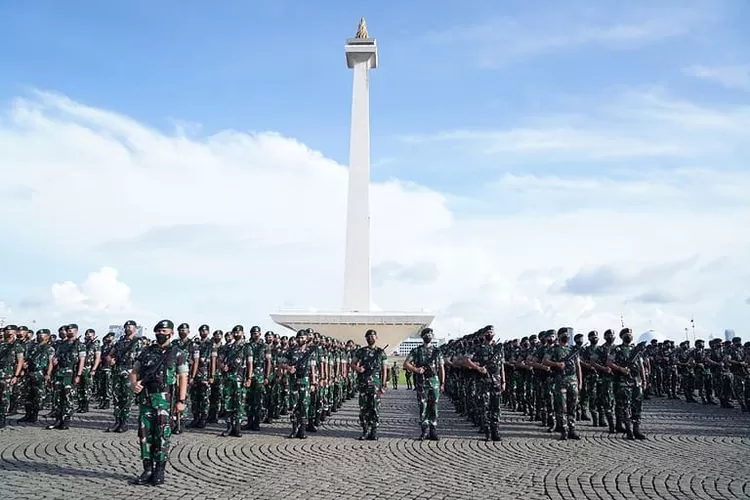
[(20, 390), (427, 364), (605, 389), (703, 379), (216, 380), (488, 360), (582, 412), (370, 364), (272, 402), (185, 345), (395, 373), (11, 365), (734, 359), (38, 371), (260, 352), (158, 367), (90, 366), (122, 360), (68, 365), (203, 356), (104, 373), (236, 364), (591, 379), (563, 360), (301, 365), (629, 382)]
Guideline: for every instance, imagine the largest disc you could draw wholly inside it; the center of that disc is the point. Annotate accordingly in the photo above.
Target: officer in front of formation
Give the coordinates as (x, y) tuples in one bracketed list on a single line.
[(157, 368)]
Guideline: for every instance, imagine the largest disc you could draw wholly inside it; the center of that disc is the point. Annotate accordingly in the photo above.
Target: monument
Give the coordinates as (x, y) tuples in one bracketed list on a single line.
[(356, 316)]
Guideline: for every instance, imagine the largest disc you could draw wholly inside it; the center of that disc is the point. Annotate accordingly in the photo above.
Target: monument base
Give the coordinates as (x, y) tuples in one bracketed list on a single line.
[(392, 327)]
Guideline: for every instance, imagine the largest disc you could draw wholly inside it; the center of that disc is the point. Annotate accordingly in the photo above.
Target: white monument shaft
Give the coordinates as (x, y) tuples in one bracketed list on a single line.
[(361, 55), (356, 316)]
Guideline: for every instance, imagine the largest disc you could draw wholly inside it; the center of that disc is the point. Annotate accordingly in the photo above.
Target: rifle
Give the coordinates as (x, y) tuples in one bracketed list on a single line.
[(301, 361), (419, 377), (635, 354), (369, 369)]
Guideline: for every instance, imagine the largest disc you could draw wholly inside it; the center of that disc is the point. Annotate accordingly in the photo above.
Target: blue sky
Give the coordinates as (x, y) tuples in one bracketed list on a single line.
[(488, 113)]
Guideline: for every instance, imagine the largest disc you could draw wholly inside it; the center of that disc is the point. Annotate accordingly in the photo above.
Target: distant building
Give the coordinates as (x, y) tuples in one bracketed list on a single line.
[(729, 334), (410, 343)]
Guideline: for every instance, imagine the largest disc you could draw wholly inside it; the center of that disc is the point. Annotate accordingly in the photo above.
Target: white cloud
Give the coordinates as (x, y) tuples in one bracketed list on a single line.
[(100, 293), (227, 228), (736, 76)]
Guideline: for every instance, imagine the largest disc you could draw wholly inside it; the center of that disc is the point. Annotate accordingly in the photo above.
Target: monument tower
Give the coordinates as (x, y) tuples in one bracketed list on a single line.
[(356, 316)]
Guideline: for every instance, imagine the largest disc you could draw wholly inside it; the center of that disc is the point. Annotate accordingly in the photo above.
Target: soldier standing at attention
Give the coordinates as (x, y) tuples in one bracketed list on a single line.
[(370, 364), (260, 352), (11, 365), (630, 383), (200, 375), (90, 366), (122, 360), (216, 380), (68, 361), (487, 358), (38, 372), (566, 383), (591, 378), (158, 367), (104, 373), (395, 372), (427, 364), (409, 384), (236, 364), (301, 365), (185, 345)]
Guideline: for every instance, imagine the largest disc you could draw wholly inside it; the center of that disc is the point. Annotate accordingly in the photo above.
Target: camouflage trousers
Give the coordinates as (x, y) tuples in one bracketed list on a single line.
[(6, 390), (84, 388), (62, 395), (705, 384), (566, 401), (687, 384), (490, 395), (123, 394), (103, 383), (629, 403), (216, 398), (606, 395), (19, 393), (739, 388), (199, 396), (37, 390), (591, 389), (154, 426), (369, 407), (272, 398), (299, 401), (255, 395), (726, 383), (428, 396), (234, 398)]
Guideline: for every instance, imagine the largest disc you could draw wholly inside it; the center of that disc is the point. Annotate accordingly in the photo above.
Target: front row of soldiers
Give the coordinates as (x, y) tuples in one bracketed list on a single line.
[(546, 380)]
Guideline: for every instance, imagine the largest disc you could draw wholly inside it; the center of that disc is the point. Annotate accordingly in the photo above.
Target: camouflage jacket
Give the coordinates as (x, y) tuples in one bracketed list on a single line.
[(158, 366), (372, 360)]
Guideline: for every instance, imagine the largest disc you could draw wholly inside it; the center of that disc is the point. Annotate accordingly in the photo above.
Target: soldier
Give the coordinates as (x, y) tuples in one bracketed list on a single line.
[(299, 362), (409, 385), (68, 362), (203, 355), (583, 395), (370, 364), (260, 353), (19, 391), (427, 364), (236, 364), (158, 367), (630, 383), (591, 380), (122, 359), (90, 365), (395, 373), (216, 380), (488, 361), (567, 383), (11, 365), (605, 389), (703, 379), (734, 358), (38, 372), (104, 373), (185, 346)]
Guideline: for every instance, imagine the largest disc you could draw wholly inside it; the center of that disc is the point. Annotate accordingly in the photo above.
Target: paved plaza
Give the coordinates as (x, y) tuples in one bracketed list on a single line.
[(692, 452)]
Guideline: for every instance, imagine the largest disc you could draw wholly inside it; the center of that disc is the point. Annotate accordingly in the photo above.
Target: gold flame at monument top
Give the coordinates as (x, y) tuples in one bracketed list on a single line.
[(362, 29)]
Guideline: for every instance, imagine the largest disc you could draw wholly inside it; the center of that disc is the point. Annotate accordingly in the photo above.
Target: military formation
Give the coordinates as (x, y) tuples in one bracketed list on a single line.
[(556, 378)]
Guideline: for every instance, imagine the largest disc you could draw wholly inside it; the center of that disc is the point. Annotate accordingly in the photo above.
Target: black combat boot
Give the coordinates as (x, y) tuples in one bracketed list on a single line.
[(602, 420), (619, 427), (425, 431), (236, 429), (293, 434), (373, 435), (85, 407), (201, 422), (212, 418), (158, 477), (563, 434), (27, 417), (572, 434), (193, 423), (584, 415), (65, 424), (495, 433), (123, 426), (3, 422), (147, 474), (637, 432), (594, 419), (228, 430), (56, 425), (433, 434), (115, 426), (611, 424), (629, 431), (365, 433), (301, 434)]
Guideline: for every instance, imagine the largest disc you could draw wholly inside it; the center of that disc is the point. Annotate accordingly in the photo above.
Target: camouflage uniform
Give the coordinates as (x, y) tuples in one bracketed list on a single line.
[(591, 378), (38, 363), (11, 354), (260, 353), (104, 374), (605, 389), (203, 353), (427, 384), (369, 385), (216, 399), (628, 388), (66, 361), (85, 384), (234, 363), (491, 359), (302, 359), (565, 382), (124, 354)]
